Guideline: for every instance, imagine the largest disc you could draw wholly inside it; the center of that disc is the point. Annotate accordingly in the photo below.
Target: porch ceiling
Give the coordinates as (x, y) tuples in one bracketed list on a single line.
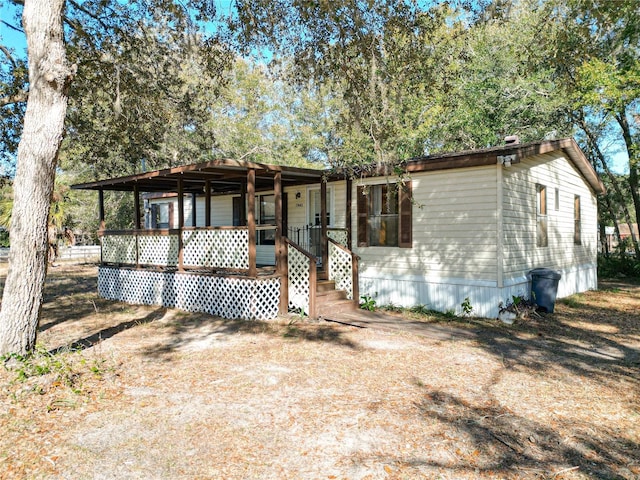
[(224, 176)]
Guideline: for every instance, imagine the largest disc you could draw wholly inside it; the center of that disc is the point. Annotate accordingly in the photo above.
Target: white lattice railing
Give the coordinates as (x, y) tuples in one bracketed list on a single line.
[(339, 235), (223, 248), (216, 248), (301, 278), (158, 249), (119, 248), (341, 269)]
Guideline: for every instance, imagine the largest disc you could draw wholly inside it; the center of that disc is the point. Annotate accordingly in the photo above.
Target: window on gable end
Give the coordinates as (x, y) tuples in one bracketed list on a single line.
[(577, 221), (542, 238)]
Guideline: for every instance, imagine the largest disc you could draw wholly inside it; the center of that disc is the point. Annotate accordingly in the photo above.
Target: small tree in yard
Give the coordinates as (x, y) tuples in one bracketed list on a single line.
[(49, 78)]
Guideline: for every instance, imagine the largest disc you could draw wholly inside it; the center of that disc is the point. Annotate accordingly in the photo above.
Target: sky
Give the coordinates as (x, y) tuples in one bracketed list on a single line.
[(16, 41), (8, 36)]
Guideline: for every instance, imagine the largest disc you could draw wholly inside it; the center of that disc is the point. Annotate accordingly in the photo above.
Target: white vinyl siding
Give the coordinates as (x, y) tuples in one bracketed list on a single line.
[(339, 218), (222, 206), (298, 207), (454, 228), (519, 210)]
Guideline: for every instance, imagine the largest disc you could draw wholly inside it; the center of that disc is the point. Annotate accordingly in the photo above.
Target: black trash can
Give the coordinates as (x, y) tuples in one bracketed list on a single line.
[(544, 287)]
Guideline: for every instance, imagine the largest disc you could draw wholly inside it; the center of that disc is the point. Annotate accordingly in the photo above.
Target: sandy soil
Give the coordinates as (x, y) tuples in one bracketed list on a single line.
[(150, 393)]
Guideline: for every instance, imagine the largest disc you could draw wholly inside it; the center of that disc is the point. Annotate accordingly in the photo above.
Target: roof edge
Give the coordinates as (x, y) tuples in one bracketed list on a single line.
[(488, 156)]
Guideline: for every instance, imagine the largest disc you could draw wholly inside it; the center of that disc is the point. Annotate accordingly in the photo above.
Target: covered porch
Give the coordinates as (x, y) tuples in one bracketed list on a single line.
[(216, 269)]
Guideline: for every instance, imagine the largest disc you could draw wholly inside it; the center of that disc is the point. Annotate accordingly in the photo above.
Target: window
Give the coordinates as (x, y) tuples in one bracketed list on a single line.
[(557, 199), (542, 239), (267, 216), (384, 215), (577, 227), (315, 206), (265, 211), (162, 215)]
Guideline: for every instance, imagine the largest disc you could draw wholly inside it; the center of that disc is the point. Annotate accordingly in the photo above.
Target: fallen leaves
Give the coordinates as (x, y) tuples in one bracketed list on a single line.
[(333, 402)]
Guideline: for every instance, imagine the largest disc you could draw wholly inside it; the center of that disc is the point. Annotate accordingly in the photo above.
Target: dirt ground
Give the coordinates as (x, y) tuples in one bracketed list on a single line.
[(120, 391)]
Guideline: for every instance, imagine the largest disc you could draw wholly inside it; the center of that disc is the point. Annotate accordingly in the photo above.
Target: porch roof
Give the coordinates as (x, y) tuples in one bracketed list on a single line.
[(224, 176)]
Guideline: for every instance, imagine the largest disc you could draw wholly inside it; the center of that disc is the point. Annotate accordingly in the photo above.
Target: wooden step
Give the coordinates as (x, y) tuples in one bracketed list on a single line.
[(330, 296), (335, 308), (325, 285)]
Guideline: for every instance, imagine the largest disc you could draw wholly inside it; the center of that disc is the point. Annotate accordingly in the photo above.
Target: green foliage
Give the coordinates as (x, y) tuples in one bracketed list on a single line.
[(4, 238), (420, 310), (145, 79), (62, 200), (618, 265), (346, 83), (375, 58), (450, 314), (391, 307), (596, 58), (574, 301), (467, 308), (39, 363), (367, 302), (519, 305)]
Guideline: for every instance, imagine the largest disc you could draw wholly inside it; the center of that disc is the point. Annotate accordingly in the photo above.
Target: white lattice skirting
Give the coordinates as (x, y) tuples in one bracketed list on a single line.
[(340, 269), (226, 297)]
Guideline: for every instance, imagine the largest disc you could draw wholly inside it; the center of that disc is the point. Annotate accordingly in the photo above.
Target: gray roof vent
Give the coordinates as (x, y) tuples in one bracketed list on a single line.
[(512, 140)]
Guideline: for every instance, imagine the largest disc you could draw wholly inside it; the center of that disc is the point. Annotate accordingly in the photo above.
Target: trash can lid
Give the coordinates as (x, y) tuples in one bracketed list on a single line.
[(545, 273)]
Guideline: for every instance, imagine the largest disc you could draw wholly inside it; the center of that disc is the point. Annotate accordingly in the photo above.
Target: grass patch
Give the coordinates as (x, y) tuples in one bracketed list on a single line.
[(43, 372), (574, 301)]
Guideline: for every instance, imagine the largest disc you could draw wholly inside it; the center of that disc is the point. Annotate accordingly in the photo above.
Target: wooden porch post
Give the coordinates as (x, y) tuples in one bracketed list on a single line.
[(348, 212), (101, 209), (136, 201), (280, 261), (207, 203), (180, 223), (101, 218), (243, 204), (194, 209), (251, 220), (323, 223)]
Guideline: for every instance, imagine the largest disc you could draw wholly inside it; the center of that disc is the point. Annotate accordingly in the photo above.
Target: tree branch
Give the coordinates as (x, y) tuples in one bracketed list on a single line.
[(7, 53), (19, 97), (12, 27)]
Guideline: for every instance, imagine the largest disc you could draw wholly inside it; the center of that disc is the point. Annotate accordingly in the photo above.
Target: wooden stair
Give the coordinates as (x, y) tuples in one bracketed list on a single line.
[(330, 301)]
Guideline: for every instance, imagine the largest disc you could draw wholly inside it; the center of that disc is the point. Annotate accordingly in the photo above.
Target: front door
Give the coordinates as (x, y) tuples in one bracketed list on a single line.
[(314, 220)]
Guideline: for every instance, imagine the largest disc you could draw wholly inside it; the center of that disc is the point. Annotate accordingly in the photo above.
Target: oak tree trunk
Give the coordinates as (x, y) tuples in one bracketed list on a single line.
[(49, 79)]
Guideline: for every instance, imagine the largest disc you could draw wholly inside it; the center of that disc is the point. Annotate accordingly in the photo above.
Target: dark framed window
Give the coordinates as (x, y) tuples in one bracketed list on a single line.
[(542, 237), (266, 216), (577, 221), (162, 215), (385, 215)]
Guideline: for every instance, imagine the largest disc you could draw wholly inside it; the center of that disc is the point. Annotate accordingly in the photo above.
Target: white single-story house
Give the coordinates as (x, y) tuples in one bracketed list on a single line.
[(246, 240)]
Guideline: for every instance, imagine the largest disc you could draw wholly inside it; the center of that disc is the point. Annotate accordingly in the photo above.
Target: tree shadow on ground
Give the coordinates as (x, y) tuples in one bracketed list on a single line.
[(106, 333), (70, 295), (187, 329), (549, 344), (491, 440), (590, 339)]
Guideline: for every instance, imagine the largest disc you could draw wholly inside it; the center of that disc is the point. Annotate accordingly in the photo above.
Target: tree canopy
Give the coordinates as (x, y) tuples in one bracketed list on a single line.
[(150, 84)]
